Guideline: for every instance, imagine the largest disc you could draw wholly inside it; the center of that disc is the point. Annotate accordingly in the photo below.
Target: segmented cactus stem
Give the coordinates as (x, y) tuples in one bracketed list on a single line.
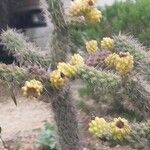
[(12, 73), (66, 120), (60, 43), (24, 52), (139, 93), (98, 78), (125, 43)]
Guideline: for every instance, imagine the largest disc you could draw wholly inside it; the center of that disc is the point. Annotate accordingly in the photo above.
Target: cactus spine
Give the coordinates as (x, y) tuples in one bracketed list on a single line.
[(66, 120), (61, 41)]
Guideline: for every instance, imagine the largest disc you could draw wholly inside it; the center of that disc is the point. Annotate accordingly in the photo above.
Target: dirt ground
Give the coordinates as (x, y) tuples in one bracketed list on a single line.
[(21, 124)]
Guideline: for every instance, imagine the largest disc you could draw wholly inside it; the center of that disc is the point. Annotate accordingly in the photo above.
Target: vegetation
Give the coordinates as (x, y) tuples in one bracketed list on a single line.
[(48, 137), (116, 77), (131, 17)]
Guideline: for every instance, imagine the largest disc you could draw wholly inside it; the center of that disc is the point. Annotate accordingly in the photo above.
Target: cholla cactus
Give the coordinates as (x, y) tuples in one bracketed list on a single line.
[(56, 82), (107, 43), (87, 9), (94, 16), (24, 52), (124, 43), (123, 62), (91, 46), (99, 127), (12, 72), (76, 60), (32, 88), (101, 79), (98, 59), (120, 131)]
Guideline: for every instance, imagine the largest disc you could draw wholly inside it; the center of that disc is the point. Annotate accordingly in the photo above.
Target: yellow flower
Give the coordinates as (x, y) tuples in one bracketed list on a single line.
[(75, 8), (58, 79), (111, 59), (99, 127), (76, 59), (80, 7), (67, 69), (91, 46), (32, 88), (125, 63), (120, 128), (93, 16), (107, 43)]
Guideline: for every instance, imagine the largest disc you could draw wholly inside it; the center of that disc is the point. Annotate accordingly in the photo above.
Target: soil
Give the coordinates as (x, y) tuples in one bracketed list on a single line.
[(21, 125)]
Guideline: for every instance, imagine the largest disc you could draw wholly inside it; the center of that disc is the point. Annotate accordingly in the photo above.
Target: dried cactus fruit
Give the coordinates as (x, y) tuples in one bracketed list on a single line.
[(75, 9), (124, 63), (99, 127), (107, 43), (91, 46), (67, 69), (58, 79), (32, 88), (94, 16), (98, 59), (111, 59), (80, 7), (120, 129), (76, 59)]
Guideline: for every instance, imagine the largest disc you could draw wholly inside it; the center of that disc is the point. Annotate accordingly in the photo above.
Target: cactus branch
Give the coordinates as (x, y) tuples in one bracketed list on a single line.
[(61, 41), (125, 43), (23, 51), (65, 117), (101, 79), (11, 73), (57, 14), (139, 92), (138, 137)]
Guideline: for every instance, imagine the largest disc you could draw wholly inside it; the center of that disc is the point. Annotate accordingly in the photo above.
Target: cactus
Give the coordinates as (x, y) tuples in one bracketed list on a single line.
[(140, 135), (60, 42), (120, 131), (98, 59), (125, 43), (12, 73), (101, 79), (139, 94), (54, 83), (66, 120), (24, 52)]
